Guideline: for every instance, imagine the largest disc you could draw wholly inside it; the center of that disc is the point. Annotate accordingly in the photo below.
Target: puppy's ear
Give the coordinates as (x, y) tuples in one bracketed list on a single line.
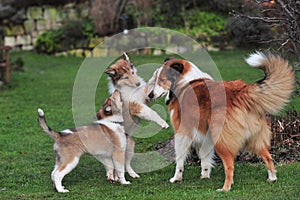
[(177, 67), (111, 72), (125, 57)]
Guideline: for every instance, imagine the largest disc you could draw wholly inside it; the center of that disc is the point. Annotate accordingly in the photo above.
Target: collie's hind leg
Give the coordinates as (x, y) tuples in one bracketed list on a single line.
[(60, 171), (267, 158), (182, 147), (206, 154), (206, 163), (228, 161), (260, 145), (129, 155)]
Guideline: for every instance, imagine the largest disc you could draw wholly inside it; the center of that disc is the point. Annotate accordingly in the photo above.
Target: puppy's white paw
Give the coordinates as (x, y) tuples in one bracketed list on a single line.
[(165, 125)]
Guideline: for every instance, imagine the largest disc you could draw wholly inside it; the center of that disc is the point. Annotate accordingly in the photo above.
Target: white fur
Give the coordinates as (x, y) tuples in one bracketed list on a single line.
[(41, 112), (255, 59), (67, 131), (57, 175), (182, 147), (272, 176), (126, 56), (205, 150)]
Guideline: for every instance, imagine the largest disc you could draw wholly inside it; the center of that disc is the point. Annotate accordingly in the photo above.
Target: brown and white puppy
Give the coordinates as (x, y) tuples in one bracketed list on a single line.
[(134, 91), (104, 139), (231, 113)]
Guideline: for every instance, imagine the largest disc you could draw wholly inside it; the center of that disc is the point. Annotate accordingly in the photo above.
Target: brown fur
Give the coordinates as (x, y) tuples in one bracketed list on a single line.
[(232, 112)]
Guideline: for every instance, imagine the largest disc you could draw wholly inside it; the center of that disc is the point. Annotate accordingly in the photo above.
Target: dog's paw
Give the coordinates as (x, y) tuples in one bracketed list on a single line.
[(133, 175), (124, 182), (204, 176), (165, 125), (223, 190), (62, 190), (271, 180), (173, 180)]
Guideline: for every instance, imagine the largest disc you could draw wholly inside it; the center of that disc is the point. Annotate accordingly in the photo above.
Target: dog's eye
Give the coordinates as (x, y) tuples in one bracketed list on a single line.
[(132, 72), (125, 78), (161, 79)]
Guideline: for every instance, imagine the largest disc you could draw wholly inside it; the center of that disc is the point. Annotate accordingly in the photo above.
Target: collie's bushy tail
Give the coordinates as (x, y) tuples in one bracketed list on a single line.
[(271, 93)]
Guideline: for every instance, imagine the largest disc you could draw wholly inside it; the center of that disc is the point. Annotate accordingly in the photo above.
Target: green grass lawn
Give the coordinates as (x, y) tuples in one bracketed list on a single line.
[(26, 158)]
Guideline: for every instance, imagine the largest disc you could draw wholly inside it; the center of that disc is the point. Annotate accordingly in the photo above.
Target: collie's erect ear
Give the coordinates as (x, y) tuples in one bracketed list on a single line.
[(110, 72), (125, 56), (177, 67)]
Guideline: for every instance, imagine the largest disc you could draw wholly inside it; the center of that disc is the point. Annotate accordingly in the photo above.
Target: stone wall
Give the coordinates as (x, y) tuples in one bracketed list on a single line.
[(36, 20)]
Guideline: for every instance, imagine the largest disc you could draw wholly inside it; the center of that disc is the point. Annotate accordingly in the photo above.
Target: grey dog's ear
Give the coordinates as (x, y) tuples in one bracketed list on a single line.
[(110, 72), (177, 67)]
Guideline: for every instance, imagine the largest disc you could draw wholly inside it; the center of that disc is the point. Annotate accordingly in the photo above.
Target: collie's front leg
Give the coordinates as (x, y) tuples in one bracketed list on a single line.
[(182, 147), (144, 112)]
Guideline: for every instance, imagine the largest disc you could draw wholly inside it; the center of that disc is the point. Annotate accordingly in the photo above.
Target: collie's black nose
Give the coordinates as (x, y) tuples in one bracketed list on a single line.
[(151, 94), (138, 84)]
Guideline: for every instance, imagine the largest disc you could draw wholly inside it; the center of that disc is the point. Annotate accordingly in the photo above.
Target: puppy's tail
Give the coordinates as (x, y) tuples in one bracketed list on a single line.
[(272, 92), (44, 125)]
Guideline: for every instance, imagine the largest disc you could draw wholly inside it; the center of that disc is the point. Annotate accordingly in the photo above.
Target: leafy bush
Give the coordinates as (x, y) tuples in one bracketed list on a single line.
[(73, 34), (244, 32), (204, 26), (49, 41)]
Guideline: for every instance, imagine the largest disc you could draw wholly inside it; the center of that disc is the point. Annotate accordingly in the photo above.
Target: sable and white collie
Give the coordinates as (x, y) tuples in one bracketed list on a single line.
[(227, 115), (104, 139), (134, 92)]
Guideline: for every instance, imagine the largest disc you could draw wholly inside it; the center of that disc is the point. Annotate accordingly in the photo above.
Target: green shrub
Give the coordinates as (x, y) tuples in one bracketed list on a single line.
[(73, 34), (203, 26), (49, 41)]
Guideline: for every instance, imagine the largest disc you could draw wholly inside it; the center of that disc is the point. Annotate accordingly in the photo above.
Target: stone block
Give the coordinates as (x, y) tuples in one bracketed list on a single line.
[(23, 40), (50, 13), (72, 14), (41, 25), (29, 26), (17, 30), (10, 41), (34, 13), (27, 47)]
